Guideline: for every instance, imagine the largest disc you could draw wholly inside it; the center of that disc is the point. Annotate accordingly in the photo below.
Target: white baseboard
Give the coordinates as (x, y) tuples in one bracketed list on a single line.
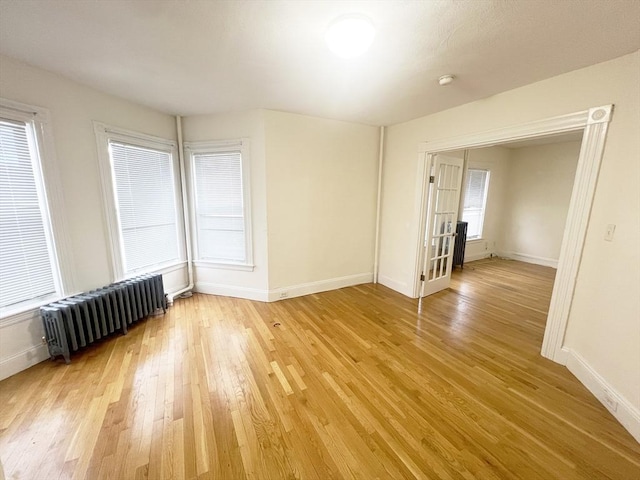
[(561, 357), (232, 291), (627, 414), (284, 292), (477, 256), (23, 360), (319, 286), (400, 287), (523, 257)]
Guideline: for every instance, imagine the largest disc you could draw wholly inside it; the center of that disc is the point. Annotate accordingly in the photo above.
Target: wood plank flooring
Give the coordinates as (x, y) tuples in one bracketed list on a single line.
[(355, 383)]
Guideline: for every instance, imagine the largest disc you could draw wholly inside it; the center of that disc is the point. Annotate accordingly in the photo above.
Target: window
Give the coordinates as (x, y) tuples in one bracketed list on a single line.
[(221, 202), (29, 272), (475, 201), (141, 187)]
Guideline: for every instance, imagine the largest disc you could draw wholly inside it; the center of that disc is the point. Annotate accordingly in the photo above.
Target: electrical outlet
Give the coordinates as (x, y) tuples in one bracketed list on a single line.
[(611, 229), (284, 294), (609, 401)]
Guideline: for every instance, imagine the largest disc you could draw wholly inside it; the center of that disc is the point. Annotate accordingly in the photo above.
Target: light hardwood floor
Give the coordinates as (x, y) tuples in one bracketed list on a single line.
[(353, 383)]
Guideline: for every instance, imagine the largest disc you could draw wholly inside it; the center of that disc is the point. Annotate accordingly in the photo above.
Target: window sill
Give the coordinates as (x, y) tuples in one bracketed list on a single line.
[(475, 240), (24, 312), (225, 266), (29, 310), (165, 268)]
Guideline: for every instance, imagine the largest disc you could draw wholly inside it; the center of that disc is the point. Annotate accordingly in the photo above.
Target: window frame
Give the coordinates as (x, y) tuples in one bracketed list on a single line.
[(50, 198), (484, 201), (104, 135), (215, 146)]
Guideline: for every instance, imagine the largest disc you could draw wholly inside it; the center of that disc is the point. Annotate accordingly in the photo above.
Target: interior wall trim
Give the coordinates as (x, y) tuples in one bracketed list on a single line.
[(618, 406), (594, 124)]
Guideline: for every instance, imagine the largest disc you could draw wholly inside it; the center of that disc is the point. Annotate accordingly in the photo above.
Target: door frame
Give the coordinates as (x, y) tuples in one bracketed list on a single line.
[(594, 123)]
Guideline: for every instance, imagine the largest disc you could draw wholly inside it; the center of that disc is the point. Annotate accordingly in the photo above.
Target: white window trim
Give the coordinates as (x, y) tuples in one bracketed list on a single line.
[(480, 237), (105, 133), (244, 267), (193, 148), (48, 180)]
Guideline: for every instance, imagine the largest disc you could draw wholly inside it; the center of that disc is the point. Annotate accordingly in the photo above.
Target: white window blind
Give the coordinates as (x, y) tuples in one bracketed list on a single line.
[(146, 201), (26, 271), (475, 199), (219, 206)]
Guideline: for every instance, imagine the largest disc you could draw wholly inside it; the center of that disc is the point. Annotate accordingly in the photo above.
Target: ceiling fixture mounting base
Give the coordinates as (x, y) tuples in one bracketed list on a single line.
[(445, 79)]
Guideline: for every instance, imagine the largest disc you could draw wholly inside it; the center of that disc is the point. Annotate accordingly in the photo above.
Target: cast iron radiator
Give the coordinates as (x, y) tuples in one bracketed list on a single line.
[(461, 242), (75, 322)]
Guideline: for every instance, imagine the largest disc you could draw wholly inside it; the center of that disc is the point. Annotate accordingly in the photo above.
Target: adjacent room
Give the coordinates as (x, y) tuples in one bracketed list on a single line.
[(319, 239), (516, 199)]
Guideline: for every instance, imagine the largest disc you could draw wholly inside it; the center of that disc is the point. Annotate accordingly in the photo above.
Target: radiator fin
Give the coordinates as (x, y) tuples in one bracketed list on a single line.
[(75, 322)]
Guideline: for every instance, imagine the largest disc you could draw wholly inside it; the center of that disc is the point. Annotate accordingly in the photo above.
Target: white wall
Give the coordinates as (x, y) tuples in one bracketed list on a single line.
[(494, 159), (321, 201), (231, 126), (539, 184), (73, 107), (320, 194), (604, 323)]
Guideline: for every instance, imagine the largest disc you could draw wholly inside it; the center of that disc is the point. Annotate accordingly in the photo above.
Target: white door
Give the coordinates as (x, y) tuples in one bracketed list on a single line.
[(442, 214)]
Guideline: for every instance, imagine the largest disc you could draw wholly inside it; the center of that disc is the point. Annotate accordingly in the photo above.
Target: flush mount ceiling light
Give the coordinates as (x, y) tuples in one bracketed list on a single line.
[(445, 80), (350, 36)]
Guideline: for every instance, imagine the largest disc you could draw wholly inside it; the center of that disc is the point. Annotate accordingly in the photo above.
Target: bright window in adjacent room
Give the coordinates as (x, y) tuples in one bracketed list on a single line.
[(221, 202), (475, 201), (28, 262), (142, 190)]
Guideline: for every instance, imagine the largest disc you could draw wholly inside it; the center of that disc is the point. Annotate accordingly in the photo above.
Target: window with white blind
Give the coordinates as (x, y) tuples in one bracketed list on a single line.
[(221, 202), (475, 201), (141, 187), (29, 272)]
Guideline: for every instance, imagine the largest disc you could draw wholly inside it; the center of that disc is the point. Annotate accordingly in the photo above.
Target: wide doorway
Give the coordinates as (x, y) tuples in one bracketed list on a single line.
[(591, 125)]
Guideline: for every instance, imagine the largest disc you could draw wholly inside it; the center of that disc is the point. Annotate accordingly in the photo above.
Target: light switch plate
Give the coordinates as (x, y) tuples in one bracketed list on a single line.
[(608, 236)]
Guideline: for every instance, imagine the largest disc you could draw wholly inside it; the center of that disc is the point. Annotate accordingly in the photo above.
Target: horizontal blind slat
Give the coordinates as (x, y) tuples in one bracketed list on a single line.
[(474, 201), (145, 198), (25, 264), (220, 206)]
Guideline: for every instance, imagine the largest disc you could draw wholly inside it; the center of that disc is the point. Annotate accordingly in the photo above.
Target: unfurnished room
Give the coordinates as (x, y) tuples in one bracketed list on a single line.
[(394, 239)]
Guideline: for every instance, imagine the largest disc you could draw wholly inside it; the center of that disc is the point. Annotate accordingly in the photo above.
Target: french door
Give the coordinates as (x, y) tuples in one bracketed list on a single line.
[(445, 178)]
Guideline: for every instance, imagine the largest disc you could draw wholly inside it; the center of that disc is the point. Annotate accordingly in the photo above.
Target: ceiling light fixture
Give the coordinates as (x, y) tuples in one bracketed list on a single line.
[(445, 79), (350, 36)]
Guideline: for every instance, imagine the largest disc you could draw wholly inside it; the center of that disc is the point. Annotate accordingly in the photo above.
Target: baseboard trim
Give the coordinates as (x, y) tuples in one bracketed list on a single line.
[(562, 357), (232, 291), (284, 292), (319, 286), (523, 257), (23, 360), (625, 413), (400, 287), (477, 256)]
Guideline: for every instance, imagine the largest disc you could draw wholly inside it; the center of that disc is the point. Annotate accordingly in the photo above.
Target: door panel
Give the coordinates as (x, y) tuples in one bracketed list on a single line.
[(442, 215)]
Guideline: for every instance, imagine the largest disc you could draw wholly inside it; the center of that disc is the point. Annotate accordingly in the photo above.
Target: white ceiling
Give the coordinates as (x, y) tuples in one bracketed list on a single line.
[(200, 57)]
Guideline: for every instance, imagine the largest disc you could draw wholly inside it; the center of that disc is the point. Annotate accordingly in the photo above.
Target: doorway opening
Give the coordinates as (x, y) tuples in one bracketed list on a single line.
[(434, 214)]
